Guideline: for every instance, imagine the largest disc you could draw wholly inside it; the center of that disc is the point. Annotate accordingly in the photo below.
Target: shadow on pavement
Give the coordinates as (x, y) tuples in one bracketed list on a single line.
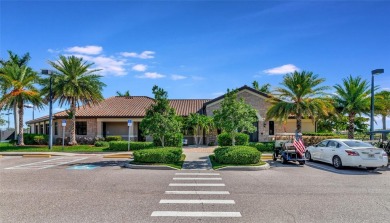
[(108, 163)]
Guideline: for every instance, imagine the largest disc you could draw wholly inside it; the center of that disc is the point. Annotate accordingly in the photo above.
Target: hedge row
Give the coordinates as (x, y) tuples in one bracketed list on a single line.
[(175, 140), (35, 139), (225, 140), (122, 145), (263, 146), (237, 155), (158, 155), (113, 138)]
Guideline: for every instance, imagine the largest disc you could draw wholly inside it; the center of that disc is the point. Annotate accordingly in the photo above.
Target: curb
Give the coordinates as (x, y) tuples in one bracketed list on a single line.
[(246, 168), (36, 155), (148, 167), (126, 156)]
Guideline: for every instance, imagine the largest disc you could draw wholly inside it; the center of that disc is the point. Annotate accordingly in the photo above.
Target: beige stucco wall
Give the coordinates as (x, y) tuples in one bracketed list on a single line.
[(259, 103), (91, 127)]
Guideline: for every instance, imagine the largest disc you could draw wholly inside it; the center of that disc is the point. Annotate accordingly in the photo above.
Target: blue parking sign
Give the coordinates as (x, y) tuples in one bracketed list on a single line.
[(129, 122)]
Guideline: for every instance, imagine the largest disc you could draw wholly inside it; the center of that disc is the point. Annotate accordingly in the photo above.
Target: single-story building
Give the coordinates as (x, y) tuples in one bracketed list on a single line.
[(111, 115)]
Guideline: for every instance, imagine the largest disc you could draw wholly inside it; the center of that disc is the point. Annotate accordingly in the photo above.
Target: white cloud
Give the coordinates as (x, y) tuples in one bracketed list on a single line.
[(176, 77), (385, 89), (197, 78), (139, 67), (144, 55), (89, 50), (108, 65), (53, 51), (151, 75), (284, 69)]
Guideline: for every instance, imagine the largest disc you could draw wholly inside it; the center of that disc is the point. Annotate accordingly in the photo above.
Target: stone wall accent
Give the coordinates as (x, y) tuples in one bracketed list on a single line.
[(91, 127)]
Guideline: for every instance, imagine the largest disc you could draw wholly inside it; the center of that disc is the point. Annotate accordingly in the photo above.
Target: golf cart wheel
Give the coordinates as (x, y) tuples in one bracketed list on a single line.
[(371, 168), (337, 162), (301, 162), (284, 161), (274, 157), (308, 156)]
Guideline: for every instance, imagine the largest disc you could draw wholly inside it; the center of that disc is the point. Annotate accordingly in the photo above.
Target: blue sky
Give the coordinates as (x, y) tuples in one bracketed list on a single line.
[(198, 49)]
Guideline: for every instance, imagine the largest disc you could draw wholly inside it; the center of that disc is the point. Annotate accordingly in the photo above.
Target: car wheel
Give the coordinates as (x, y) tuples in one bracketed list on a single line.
[(284, 161), (337, 162), (371, 168), (274, 157), (308, 156), (302, 163)]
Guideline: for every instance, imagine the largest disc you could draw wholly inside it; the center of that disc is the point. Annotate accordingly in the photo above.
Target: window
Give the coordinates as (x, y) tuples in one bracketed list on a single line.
[(47, 129), (40, 129), (55, 128), (332, 144), (36, 129), (322, 144), (81, 128)]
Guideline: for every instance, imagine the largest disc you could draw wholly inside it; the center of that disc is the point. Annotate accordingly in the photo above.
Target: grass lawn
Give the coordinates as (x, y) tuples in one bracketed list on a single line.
[(177, 165), (7, 147), (217, 165)]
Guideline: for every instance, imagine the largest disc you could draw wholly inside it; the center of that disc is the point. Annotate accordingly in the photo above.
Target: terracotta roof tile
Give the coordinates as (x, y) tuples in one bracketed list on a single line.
[(133, 106)]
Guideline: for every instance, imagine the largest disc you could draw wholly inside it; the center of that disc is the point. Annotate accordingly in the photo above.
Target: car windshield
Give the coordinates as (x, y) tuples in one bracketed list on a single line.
[(357, 144)]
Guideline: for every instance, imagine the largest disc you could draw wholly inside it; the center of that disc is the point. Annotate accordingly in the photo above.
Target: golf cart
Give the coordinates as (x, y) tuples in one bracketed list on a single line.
[(381, 143), (285, 149)]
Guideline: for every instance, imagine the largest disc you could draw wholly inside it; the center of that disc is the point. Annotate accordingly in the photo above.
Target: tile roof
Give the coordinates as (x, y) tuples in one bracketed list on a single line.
[(134, 106)]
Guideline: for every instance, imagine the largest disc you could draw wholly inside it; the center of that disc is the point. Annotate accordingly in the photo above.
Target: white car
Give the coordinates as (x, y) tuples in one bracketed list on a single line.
[(348, 152)]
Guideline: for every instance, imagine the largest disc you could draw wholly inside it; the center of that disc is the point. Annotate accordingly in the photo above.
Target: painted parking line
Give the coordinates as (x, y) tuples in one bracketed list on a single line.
[(198, 174), (83, 167), (47, 163), (195, 214), (197, 192), (200, 178), (195, 185)]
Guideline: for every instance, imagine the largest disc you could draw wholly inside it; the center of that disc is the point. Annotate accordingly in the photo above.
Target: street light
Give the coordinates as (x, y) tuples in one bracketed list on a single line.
[(30, 106), (50, 73), (374, 72)]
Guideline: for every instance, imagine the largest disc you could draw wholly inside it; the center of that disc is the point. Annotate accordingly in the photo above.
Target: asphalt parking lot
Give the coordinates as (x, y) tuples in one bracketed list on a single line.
[(93, 189)]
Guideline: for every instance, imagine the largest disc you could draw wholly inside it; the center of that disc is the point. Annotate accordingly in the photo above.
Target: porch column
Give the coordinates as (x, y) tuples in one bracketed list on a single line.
[(99, 128)]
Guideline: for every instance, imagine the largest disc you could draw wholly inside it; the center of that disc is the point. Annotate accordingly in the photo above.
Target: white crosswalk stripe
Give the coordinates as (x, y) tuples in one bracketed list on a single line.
[(210, 197), (47, 163)]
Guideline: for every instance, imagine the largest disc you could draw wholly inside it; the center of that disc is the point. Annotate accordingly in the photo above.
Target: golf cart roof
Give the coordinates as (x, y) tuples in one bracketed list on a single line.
[(380, 131)]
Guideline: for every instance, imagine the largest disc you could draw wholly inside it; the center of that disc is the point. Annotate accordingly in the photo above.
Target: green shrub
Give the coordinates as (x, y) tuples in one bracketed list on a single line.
[(102, 144), (237, 155), (175, 140), (158, 155), (29, 138), (225, 140), (122, 145), (41, 139), (263, 146), (318, 134), (113, 138)]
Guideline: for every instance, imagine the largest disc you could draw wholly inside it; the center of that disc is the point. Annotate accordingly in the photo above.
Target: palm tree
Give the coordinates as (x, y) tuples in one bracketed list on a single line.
[(300, 97), (265, 88), (18, 89), (126, 94), (199, 123), (75, 84), (382, 105), (14, 59), (353, 97)]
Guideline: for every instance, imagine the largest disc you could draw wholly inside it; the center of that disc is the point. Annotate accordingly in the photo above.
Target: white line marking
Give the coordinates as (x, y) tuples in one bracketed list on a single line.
[(197, 192), (47, 163), (196, 185), (196, 178), (199, 201), (200, 174), (195, 214)]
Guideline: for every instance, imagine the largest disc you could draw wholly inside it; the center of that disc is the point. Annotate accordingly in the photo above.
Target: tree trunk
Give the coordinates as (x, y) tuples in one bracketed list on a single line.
[(162, 141), (384, 126), (16, 121), (72, 140), (299, 123), (351, 125), (233, 139), (20, 136)]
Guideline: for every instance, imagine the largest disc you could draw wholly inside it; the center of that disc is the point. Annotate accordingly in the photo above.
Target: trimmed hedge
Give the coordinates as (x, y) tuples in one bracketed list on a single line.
[(237, 155), (158, 155), (225, 140), (122, 145), (113, 138), (102, 144), (175, 140), (35, 139), (318, 134), (263, 146)]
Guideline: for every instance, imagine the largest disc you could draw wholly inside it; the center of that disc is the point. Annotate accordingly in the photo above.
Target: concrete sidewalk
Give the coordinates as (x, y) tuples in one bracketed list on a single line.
[(197, 158)]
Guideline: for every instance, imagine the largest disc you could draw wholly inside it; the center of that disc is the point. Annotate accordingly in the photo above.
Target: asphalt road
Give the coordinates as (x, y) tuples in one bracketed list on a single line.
[(43, 190)]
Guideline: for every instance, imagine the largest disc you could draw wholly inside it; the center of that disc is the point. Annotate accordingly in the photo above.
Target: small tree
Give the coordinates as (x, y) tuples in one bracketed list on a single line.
[(160, 120), (235, 116), (199, 123)]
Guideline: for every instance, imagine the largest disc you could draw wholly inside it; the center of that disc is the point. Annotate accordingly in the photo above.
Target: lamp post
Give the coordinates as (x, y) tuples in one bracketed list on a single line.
[(373, 72), (50, 73)]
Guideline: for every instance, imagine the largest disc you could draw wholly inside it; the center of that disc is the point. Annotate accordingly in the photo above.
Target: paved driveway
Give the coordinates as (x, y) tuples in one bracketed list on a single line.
[(108, 193)]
